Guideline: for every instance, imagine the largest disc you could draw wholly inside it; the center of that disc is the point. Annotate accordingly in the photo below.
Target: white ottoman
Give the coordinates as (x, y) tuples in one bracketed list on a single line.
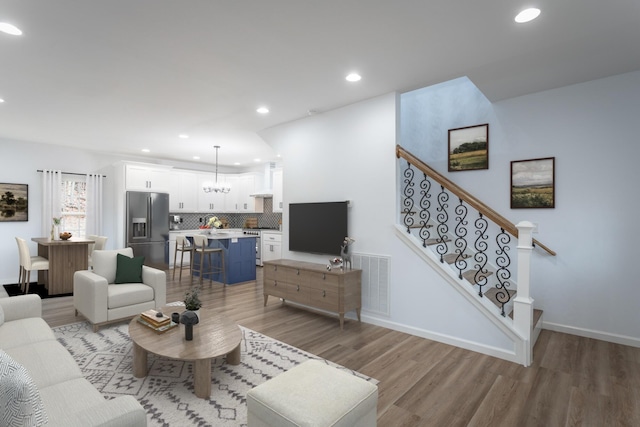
[(313, 394)]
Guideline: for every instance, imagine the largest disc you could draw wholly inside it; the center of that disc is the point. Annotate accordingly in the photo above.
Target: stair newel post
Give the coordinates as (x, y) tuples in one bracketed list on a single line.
[(523, 303)]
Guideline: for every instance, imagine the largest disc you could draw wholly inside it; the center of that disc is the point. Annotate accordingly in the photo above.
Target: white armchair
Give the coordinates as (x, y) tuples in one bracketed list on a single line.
[(100, 300)]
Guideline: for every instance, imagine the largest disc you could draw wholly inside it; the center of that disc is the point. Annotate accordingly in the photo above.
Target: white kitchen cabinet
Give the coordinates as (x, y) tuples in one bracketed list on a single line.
[(183, 187), (232, 197), (147, 178), (271, 246), (277, 190), (248, 184), (210, 202)]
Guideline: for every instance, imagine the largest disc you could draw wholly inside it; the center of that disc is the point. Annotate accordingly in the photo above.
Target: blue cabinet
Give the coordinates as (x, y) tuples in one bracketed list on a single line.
[(239, 259)]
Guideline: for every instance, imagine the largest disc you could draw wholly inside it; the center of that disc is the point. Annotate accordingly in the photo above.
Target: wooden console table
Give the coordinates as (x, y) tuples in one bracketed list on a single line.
[(65, 258), (313, 285)]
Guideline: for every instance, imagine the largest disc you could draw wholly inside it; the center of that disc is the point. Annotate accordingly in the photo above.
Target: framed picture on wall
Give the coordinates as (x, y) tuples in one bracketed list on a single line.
[(469, 148), (533, 183), (14, 202)]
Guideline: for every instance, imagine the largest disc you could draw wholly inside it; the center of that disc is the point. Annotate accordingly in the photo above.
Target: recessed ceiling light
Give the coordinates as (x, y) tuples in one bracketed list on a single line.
[(10, 29), (354, 77), (196, 157), (146, 150), (527, 15), (237, 163), (256, 160), (1, 100), (262, 110), (183, 136)]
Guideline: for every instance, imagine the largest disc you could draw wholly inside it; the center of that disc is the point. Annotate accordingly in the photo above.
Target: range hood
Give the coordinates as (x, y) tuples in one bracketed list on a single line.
[(266, 191)]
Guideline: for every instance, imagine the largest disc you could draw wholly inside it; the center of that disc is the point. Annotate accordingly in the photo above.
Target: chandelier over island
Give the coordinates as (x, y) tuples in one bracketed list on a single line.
[(216, 187)]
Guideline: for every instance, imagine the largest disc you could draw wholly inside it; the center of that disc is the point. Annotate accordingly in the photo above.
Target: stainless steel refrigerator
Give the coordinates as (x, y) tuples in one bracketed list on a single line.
[(148, 227)]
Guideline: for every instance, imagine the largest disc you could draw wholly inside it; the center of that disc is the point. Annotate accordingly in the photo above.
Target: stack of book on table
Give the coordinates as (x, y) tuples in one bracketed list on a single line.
[(159, 324)]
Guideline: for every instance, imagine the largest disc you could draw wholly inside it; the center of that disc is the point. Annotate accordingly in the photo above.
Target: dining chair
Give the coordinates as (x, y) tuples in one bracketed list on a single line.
[(201, 247), (182, 246), (100, 242), (28, 263)]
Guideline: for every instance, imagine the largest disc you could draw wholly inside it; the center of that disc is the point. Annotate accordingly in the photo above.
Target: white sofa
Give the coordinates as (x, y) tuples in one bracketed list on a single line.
[(57, 386), (101, 301)]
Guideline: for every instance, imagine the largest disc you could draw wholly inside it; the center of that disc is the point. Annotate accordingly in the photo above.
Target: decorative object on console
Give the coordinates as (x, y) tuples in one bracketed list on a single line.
[(469, 148), (208, 187), (334, 262), (345, 253)]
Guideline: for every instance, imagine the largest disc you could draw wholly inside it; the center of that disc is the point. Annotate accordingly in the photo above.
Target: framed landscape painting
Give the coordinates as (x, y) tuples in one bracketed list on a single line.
[(469, 148), (14, 202), (533, 183)]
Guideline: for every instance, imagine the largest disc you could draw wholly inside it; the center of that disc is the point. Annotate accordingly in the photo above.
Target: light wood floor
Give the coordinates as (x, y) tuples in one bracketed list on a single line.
[(573, 381)]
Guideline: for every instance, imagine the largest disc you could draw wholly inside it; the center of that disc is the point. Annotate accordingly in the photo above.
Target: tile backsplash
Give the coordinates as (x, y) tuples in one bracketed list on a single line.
[(267, 219)]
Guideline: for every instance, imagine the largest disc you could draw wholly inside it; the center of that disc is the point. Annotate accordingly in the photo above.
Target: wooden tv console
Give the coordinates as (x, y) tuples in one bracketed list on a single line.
[(313, 285)]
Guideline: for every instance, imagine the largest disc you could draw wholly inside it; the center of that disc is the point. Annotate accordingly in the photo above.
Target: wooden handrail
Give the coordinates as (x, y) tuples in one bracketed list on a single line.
[(485, 210)]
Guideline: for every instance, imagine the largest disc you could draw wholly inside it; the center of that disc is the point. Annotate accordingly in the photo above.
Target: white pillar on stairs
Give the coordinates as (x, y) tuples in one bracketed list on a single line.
[(523, 303)]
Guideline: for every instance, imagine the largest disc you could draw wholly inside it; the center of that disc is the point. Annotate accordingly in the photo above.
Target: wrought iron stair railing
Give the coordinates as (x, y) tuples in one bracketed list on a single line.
[(446, 230)]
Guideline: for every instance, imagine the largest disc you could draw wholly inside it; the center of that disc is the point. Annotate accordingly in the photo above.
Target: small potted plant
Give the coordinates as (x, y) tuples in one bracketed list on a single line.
[(192, 300)]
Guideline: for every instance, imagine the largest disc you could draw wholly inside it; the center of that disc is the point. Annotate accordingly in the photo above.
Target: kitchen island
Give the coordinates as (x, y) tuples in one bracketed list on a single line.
[(239, 256)]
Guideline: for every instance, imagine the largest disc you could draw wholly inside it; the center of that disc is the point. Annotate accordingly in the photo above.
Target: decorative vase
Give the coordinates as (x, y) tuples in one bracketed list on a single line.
[(55, 235)]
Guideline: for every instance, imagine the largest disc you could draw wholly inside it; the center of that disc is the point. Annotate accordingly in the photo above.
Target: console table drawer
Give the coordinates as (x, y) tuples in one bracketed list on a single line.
[(275, 288), (324, 281), (324, 299), (298, 293)]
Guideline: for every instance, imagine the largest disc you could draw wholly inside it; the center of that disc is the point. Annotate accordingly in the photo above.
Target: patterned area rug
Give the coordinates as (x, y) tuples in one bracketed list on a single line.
[(167, 393)]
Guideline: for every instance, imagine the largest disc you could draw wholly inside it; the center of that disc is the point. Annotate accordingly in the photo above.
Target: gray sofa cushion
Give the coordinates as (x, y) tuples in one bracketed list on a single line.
[(25, 331), (48, 362)]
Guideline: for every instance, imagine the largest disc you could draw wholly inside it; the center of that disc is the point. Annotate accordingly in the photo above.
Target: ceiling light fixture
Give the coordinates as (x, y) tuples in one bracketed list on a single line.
[(183, 136), (354, 77), (196, 157), (527, 15), (1, 100), (263, 110), (10, 29), (208, 187), (146, 150)]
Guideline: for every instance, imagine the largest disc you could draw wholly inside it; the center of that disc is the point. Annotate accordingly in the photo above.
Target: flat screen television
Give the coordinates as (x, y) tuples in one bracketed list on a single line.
[(317, 227)]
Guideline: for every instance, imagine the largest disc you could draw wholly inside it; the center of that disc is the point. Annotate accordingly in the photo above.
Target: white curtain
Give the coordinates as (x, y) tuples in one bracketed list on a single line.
[(94, 205), (51, 184)]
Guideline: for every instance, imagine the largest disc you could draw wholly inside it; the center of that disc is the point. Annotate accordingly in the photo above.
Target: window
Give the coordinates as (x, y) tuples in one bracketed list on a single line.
[(73, 203)]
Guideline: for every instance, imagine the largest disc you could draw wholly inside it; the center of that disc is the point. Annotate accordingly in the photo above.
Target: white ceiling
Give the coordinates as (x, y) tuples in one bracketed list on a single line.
[(122, 75)]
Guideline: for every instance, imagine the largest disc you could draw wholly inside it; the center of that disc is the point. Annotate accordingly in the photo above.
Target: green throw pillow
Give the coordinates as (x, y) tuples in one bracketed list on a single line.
[(129, 270)]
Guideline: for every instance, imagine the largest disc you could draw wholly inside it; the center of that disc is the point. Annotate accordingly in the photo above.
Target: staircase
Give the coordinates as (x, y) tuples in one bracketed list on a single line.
[(472, 247)]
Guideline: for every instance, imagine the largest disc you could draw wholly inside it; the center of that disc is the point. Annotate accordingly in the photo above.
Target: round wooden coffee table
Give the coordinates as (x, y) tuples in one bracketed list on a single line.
[(213, 337)]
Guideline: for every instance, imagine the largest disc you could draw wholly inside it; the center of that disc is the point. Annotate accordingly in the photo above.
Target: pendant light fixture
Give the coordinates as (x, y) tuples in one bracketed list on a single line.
[(208, 187)]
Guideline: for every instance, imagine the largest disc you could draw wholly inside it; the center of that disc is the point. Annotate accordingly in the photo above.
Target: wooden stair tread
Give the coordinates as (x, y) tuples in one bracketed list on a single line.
[(493, 291), (451, 258), (431, 242), (469, 275), (537, 314)]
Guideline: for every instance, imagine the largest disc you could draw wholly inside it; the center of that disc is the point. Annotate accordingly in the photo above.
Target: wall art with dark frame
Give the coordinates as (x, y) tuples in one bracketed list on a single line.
[(533, 183), (14, 202), (469, 148)]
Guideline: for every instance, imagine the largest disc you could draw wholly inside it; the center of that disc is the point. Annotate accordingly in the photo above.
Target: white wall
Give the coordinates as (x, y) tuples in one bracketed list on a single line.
[(589, 288), (349, 154), (20, 161)]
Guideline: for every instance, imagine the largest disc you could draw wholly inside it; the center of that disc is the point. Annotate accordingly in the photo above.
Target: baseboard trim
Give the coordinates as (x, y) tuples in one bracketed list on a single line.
[(445, 339), (590, 333)]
